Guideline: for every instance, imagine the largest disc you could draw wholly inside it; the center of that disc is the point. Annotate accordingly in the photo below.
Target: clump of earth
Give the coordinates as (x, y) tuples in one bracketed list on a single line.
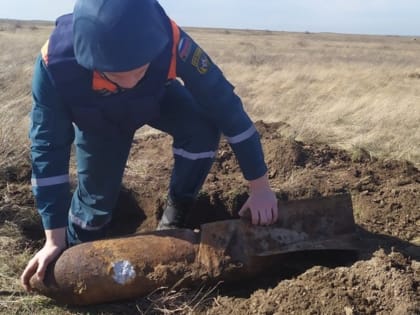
[(384, 276)]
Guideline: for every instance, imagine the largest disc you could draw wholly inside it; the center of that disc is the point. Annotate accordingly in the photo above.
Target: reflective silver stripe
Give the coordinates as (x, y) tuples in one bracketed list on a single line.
[(84, 225), (194, 156), (49, 181), (242, 136)]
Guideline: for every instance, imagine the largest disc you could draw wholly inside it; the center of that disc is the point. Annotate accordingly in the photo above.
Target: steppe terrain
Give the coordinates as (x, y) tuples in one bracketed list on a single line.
[(336, 113)]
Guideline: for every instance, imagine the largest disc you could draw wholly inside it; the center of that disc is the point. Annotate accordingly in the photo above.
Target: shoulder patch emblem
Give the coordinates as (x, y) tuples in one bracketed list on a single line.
[(184, 48), (201, 61)]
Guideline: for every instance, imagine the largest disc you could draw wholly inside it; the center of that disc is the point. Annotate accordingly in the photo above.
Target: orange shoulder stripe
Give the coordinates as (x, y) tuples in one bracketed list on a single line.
[(99, 83), (176, 35)]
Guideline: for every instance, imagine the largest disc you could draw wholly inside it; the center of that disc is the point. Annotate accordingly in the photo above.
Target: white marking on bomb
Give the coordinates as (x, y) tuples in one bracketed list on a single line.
[(123, 271)]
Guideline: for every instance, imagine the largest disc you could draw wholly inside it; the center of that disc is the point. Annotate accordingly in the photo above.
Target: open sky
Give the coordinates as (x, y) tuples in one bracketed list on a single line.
[(387, 17)]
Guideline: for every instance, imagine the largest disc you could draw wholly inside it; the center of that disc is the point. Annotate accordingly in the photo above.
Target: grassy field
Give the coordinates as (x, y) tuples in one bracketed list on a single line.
[(347, 90)]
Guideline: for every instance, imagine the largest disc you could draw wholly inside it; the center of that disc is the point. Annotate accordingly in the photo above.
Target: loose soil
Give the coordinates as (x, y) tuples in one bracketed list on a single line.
[(384, 276)]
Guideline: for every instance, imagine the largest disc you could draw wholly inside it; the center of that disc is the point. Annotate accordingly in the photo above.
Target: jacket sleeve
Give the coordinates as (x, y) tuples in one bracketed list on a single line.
[(216, 97), (51, 134)]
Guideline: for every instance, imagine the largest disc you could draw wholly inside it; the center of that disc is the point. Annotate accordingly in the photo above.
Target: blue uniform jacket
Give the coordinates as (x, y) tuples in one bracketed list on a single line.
[(55, 109)]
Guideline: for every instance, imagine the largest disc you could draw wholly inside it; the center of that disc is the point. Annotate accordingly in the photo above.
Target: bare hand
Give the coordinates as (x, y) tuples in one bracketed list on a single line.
[(262, 203), (53, 247), (263, 208)]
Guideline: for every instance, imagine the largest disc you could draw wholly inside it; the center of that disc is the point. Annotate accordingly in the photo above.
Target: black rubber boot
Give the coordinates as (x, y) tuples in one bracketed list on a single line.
[(174, 215)]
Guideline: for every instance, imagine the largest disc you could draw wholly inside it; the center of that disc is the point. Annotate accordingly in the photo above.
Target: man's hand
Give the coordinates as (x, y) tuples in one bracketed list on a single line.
[(55, 243), (262, 202)]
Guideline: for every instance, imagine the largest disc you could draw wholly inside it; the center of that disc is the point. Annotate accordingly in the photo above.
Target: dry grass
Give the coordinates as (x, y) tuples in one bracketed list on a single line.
[(179, 301), (347, 90), (20, 44), (13, 258)]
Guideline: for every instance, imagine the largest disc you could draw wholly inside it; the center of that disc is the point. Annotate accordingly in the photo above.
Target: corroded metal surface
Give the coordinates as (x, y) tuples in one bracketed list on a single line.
[(120, 268), (123, 268)]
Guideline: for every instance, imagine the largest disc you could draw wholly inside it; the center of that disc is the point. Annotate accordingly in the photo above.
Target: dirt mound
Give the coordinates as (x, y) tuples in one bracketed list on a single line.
[(385, 284), (385, 193), (386, 201)]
